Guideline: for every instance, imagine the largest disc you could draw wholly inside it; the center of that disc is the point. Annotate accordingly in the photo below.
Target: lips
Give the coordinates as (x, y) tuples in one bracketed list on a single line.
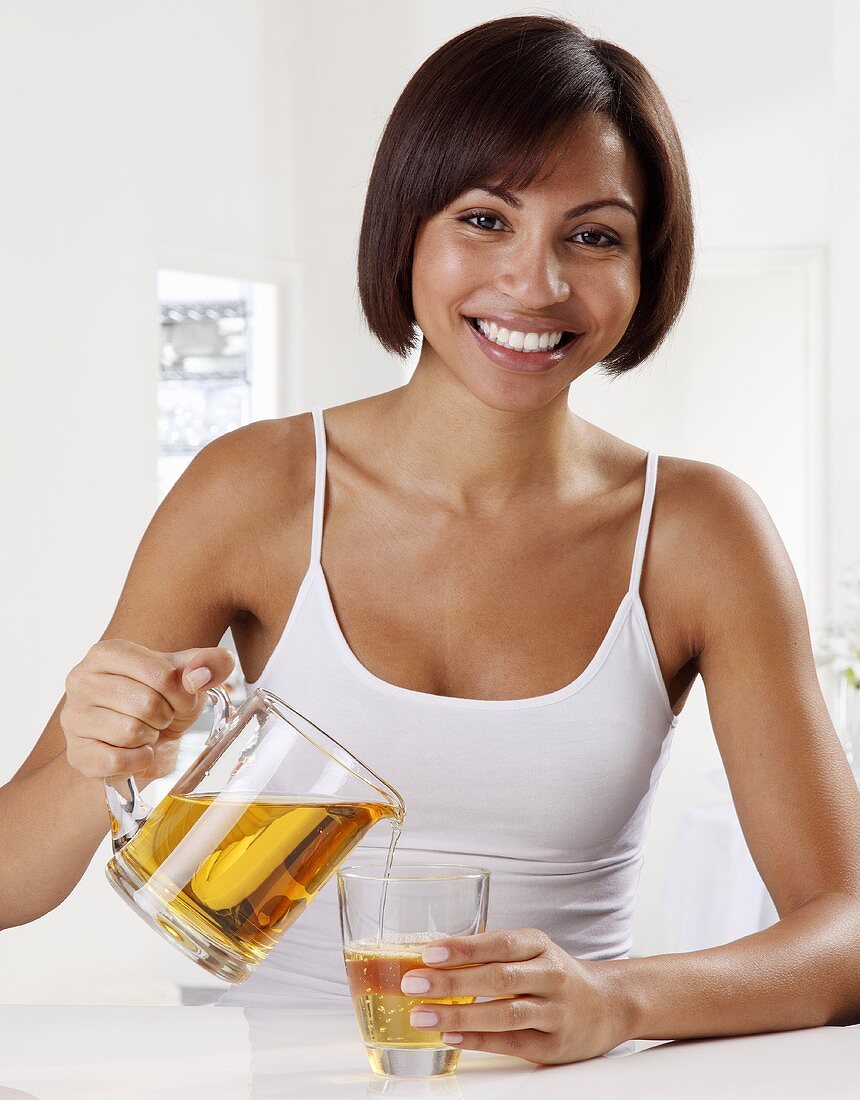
[(566, 334), (522, 362)]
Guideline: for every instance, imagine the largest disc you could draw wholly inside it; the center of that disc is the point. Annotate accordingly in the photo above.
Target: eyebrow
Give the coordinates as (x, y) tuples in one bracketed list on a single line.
[(575, 211)]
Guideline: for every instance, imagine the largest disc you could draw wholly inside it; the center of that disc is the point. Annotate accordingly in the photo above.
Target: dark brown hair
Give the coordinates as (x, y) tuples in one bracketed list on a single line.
[(491, 103)]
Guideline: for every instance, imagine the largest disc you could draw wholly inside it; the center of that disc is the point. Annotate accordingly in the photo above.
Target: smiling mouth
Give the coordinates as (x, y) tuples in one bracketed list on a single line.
[(566, 338)]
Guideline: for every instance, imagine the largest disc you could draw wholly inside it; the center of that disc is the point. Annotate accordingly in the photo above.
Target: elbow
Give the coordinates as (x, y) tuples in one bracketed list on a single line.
[(21, 904), (847, 1014), (16, 917), (847, 1018)]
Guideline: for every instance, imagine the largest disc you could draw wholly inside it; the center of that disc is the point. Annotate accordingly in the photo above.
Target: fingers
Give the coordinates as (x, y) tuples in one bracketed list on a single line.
[(98, 760), (126, 705), (158, 674), (488, 980), (527, 1027), (513, 944), (489, 964), (514, 1014), (536, 1046), (137, 707), (122, 730), (218, 661)]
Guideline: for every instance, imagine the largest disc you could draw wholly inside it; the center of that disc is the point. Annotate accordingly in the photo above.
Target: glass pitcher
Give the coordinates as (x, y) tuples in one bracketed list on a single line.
[(231, 856)]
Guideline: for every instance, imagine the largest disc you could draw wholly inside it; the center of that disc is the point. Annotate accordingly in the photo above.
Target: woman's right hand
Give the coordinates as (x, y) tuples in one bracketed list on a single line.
[(127, 706)]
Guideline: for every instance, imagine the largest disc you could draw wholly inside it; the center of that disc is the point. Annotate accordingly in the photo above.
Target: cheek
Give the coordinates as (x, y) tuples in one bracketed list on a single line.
[(442, 278), (619, 283), (612, 293), (447, 268)]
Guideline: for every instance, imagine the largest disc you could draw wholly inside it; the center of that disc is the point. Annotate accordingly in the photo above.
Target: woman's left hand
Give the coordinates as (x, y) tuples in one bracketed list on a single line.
[(552, 1007)]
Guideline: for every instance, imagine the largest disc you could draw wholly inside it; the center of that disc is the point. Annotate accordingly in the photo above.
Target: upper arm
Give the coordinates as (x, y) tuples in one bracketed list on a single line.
[(796, 798), (182, 585)]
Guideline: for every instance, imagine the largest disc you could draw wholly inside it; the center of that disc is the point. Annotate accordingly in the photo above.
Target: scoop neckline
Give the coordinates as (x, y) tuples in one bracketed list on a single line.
[(464, 702)]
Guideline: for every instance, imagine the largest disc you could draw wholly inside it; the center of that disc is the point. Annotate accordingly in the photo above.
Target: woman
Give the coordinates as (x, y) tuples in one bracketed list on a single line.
[(496, 604)]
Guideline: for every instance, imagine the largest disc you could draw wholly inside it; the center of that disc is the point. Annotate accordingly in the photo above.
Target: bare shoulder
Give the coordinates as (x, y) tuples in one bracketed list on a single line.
[(714, 510), (260, 481), (719, 550), (219, 518), (252, 464), (229, 532)]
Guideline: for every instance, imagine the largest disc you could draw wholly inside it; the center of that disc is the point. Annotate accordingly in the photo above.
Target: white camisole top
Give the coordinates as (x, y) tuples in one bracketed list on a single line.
[(551, 793)]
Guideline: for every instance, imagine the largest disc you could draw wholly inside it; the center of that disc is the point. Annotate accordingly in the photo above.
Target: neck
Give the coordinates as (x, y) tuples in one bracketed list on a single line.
[(473, 456)]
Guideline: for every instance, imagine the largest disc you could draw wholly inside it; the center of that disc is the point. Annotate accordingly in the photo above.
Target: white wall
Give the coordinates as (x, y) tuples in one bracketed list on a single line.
[(130, 133), (844, 358), (194, 134)]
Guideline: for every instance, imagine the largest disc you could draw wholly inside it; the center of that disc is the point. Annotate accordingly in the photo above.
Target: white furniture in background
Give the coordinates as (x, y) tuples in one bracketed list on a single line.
[(217, 362), (713, 893)]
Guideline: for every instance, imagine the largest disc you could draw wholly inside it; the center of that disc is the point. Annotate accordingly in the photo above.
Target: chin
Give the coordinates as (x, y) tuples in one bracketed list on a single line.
[(511, 395)]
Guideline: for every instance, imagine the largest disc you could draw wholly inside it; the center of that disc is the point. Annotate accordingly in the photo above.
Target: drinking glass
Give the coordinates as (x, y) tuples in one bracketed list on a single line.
[(386, 921)]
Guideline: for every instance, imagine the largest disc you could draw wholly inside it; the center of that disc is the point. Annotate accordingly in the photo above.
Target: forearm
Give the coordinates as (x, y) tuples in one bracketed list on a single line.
[(803, 971), (51, 822)]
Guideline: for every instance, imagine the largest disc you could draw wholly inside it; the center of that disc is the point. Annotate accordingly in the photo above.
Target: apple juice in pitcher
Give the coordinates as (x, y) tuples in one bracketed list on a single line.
[(230, 858), (271, 861)]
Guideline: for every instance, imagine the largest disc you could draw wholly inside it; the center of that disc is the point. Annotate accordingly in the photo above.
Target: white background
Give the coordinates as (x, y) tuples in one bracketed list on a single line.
[(237, 138)]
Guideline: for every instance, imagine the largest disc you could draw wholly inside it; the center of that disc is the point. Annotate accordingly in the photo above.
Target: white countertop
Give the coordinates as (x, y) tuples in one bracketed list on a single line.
[(67, 1052)]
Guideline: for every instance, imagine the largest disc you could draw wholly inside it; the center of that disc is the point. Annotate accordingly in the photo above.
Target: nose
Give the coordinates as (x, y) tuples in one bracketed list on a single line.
[(533, 274)]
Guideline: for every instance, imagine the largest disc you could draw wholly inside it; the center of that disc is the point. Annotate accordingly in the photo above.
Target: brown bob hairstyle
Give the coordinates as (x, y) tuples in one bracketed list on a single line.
[(492, 103)]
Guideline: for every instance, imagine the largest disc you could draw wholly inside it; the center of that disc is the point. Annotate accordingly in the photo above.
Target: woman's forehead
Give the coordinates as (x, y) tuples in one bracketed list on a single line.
[(592, 158)]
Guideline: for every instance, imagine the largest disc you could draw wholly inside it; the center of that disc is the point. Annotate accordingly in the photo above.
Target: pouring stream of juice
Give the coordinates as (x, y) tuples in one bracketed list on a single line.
[(395, 836)]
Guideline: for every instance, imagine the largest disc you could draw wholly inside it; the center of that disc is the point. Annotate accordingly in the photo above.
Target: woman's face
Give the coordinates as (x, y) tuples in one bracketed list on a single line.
[(533, 264)]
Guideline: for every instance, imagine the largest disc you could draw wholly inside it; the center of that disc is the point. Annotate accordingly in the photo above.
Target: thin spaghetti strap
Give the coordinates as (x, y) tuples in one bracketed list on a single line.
[(319, 485), (644, 520)]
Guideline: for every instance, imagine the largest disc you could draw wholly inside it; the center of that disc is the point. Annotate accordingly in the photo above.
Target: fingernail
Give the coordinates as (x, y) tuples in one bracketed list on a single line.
[(419, 1018), (198, 678), (414, 985), (435, 954), (452, 1038)]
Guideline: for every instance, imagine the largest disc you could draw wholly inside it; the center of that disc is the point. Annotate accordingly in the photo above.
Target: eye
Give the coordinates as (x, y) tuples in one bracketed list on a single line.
[(474, 215), (468, 218), (597, 233)]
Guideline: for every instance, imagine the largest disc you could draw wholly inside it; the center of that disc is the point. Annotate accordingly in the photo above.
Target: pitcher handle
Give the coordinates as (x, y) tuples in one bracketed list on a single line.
[(128, 811)]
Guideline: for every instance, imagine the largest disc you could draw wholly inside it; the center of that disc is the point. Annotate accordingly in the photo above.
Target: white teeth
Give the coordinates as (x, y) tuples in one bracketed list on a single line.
[(520, 341)]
